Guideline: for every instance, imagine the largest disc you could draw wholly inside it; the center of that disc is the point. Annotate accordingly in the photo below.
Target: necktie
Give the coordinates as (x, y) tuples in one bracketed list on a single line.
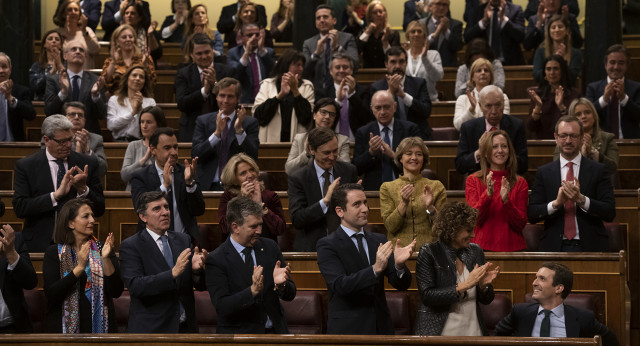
[(223, 150), (344, 117), (570, 210), (166, 251), (328, 79), (496, 44), (255, 70), (387, 165), (61, 172), (248, 260), (545, 327), (75, 88), (614, 110), (327, 181), (4, 112), (402, 113), (363, 253)]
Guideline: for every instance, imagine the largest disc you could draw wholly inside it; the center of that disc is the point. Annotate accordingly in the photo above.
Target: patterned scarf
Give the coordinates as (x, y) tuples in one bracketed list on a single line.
[(93, 290)]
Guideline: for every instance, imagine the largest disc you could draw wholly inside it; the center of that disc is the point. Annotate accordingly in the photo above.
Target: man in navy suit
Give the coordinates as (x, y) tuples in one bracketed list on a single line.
[(176, 181), (252, 59), (377, 141), (113, 15), (16, 100), (46, 180), (247, 275), (550, 317), (220, 135), (227, 20), (354, 263), (502, 24), (534, 34), (90, 9), (413, 10), (573, 195), (16, 274), (491, 101), (411, 93), (160, 272), (444, 33), (617, 95)]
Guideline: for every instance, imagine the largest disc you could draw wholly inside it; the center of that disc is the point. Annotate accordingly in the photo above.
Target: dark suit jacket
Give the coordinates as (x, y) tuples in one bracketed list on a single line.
[(208, 156), (109, 23), (420, 109), (511, 34), (306, 213), (12, 282), (190, 205), (578, 322), (409, 14), (229, 284), (23, 111), (91, 9), (314, 69), (226, 22), (357, 303), (32, 200), (595, 184), (532, 7), (190, 100), (449, 47), (630, 114), (155, 294), (533, 37), (95, 110), (371, 166), (472, 130), (359, 111), (245, 73)]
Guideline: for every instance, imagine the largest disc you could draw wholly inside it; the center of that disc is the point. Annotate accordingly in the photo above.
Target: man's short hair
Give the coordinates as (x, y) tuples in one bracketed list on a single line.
[(568, 119), (74, 104), (53, 123), (155, 137), (245, 26), (339, 196), (239, 208), (617, 48), (341, 55), (3, 54), (489, 89), (394, 51), (227, 82), (324, 7), (319, 136), (199, 38), (148, 197), (563, 276)]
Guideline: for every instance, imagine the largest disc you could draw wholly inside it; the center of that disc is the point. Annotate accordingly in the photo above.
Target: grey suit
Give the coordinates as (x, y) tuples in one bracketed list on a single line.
[(315, 66)]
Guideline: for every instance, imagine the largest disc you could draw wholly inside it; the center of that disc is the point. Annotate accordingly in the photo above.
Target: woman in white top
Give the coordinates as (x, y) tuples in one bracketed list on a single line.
[(478, 48), (422, 61), (124, 107), (467, 105), (72, 25)]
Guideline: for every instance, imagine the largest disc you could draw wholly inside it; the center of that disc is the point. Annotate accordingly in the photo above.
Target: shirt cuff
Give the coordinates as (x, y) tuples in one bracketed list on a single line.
[(550, 209), (192, 189), (163, 188), (602, 102), (364, 37), (587, 203), (84, 194), (12, 266), (14, 104), (503, 21), (407, 99), (624, 101), (54, 203), (205, 95), (481, 24), (61, 96), (214, 140), (241, 137), (324, 207), (166, 32), (400, 272), (95, 99), (117, 16), (244, 61)]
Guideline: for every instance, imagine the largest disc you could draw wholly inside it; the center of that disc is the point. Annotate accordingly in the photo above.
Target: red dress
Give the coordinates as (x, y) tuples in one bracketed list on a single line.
[(499, 226)]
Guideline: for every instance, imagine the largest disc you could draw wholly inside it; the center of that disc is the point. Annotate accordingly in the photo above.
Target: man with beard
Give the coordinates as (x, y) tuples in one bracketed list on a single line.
[(410, 93), (573, 196)]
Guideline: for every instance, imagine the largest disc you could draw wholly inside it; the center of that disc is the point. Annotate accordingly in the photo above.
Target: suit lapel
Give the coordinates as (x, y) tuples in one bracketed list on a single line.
[(312, 179), (235, 261), (571, 323), (85, 87), (530, 318), (150, 247), (3, 269), (398, 134), (195, 75), (43, 166), (350, 249)]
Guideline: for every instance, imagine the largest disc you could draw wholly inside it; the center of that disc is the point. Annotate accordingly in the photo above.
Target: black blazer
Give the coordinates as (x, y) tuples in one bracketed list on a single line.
[(359, 111), (578, 322), (472, 130), (109, 23), (371, 166), (305, 194), (449, 47), (23, 111), (226, 22), (155, 294), (190, 205), (595, 184), (229, 284), (357, 303), (630, 113), (12, 282), (420, 109), (33, 186), (245, 73)]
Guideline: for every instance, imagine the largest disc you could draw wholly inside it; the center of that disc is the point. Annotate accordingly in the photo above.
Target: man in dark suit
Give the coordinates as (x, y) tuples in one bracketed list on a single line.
[(502, 24), (113, 15), (413, 10), (220, 135), (377, 141), (85, 142), (573, 195), (44, 181), (411, 93), (176, 181), (550, 317), (160, 273), (251, 59), (16, 274), (90, 9), (75, 84), (247, 275), (354, 263), (533, 5), (492, 105), (194, 85), (537, 23), (617, 95), (15, 100), (310, 190), (227, 20), (352, 96), (444, 33), (319, 48)]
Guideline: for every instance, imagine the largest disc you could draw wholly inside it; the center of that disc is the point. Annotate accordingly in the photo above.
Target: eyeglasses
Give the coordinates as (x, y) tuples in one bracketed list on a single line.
[(62, 141), (564, 136), (326, 112), (77, 114)]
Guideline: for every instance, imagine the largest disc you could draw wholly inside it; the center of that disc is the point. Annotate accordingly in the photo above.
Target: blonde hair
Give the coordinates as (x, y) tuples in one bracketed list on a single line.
[(407, 144), (415, 24), (486, 148), (369, 14), (137, 53), (480, 62), (189, 26), (228, 175)]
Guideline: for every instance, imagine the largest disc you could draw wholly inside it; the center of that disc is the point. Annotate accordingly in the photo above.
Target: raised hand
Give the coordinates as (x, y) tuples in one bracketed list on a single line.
[(221, 123), (79, 180), (402, 254), (7, 244), (198, 260), (190, 170), (382, 257), (427, 196), (406, 192), (65, 185), (472, 100), (257, 281), (489, 183), (63, 80), (82, 141), (281, 275), (181, 263), (475, 276), (167, 174), (108, 246), (241, 114), (489, 275), (83, 256), (504, 189), (572, 191), (327, 197), (97, 86)]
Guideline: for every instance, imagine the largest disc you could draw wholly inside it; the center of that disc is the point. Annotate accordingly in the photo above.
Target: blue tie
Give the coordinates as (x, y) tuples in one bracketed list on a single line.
[(75, 86), (387, 165), (168, 257)]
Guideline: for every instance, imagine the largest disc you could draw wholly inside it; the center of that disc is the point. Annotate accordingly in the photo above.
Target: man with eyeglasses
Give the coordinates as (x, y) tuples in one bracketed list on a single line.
[(573, 195), (377, 141), (75, 84), (44, 181), (444, 33), (85, 142)]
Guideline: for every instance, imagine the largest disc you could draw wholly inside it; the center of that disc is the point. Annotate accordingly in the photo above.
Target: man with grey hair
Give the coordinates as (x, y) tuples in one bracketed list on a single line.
[(44, 181), (491, 100), (15, 104)]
